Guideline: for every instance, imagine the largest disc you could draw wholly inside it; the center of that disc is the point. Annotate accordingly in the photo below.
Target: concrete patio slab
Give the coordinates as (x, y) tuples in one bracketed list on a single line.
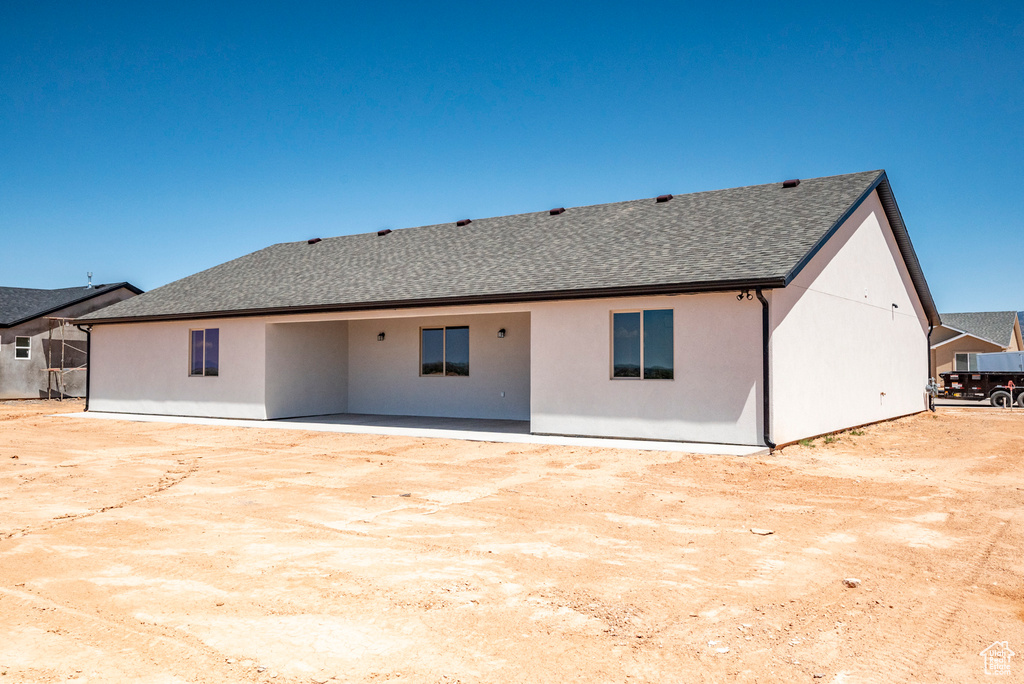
[(471, 429)]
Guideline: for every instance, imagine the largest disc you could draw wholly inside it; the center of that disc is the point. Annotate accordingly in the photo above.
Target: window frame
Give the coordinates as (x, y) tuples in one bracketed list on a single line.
[(641, 342), (191, 351), (971, 356), (27, 348), (444, 351)]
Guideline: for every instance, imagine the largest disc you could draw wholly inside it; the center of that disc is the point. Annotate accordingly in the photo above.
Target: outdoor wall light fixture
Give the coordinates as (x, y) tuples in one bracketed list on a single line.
[(501, 333), (380, 337)]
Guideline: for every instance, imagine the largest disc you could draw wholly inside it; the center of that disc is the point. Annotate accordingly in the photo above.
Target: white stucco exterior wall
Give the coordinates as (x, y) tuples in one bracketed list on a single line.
[(841, 354), (284, 366), (715, 396), (554, 366), (143, 368), (384, 377), (306, 368)]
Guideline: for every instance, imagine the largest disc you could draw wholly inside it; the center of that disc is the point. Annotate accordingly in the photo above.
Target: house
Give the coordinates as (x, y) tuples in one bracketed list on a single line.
[(961, 337), (36, 335), (751, 316)]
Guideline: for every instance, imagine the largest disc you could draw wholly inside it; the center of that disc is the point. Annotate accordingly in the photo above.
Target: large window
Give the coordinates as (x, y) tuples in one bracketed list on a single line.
[(444, 351), (966, 362), (205, 352), (22, 347), (642, 344)]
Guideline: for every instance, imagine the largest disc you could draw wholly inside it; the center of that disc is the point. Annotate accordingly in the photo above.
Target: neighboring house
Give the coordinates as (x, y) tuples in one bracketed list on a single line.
[(33, 338), (748, 316), (962, 336)]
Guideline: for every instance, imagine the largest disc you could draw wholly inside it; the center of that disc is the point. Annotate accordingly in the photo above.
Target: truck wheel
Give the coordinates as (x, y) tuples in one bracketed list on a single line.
[(1001, 399), (1020, 400)]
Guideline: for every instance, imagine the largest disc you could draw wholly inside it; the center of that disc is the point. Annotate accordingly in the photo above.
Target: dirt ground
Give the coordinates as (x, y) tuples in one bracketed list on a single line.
[(144, 552)]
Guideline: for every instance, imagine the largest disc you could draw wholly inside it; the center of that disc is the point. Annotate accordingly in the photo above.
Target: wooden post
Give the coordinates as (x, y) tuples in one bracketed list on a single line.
[(49, 354), (63, 385)]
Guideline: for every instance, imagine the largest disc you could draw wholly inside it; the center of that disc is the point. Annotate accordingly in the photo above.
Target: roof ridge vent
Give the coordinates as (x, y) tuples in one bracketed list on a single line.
[(383, 231), (313, 241), (663, 198), (556, 212), (463, 222), (791, 183)]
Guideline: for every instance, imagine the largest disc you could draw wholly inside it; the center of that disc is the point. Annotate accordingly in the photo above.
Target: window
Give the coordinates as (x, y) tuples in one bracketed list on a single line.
[(22, 347), (642, 341), (444, 351), (205, 352), (966, 362)]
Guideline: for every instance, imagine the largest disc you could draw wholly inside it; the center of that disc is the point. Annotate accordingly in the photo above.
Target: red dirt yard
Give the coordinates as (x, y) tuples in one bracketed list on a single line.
[(147, 552)]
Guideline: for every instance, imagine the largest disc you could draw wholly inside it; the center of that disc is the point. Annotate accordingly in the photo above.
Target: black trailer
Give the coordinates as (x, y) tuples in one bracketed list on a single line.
[(1003, 388)]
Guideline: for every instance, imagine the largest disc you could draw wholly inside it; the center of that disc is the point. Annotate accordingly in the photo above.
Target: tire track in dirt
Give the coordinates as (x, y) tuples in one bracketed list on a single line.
[(796, 623), (904, 665), (327, 532), (166, 481), (157, 648)]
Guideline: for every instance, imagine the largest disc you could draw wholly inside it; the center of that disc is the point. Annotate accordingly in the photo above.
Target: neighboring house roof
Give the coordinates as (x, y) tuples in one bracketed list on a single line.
[(20, 304), (993, 326), (755, 236)]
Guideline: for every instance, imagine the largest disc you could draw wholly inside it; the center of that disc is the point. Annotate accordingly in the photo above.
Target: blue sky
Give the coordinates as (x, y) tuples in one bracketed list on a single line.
[(145, 142)]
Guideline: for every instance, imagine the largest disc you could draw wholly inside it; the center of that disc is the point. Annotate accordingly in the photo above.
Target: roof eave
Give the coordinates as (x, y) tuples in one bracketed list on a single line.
[(512, 298), (899, 229)]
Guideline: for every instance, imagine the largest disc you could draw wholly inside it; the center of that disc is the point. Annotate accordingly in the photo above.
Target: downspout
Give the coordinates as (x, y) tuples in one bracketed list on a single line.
[(765, 369), (88, 359), (931, 397)]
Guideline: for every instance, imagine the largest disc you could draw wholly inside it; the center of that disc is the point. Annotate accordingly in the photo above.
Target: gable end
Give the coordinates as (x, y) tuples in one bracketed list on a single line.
[(899, 229)]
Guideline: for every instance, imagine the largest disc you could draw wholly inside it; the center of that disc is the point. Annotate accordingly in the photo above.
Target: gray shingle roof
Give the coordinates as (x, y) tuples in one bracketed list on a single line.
[(994, 326), (20, 304), (755, 235)]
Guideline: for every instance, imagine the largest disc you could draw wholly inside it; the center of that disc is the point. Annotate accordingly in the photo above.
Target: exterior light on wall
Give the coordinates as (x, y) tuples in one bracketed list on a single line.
[(380, 337), (501, 333)]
